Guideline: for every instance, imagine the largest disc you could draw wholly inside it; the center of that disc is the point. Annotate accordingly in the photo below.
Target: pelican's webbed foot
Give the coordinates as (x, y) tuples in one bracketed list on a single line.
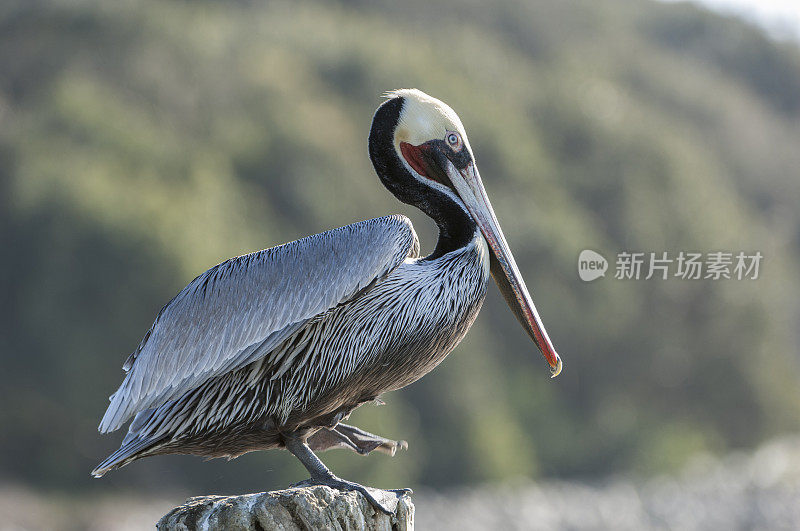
[(356, 439)]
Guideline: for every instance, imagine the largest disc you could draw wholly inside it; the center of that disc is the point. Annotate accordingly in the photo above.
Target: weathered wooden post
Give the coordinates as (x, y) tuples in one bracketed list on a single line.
[(294, 509)]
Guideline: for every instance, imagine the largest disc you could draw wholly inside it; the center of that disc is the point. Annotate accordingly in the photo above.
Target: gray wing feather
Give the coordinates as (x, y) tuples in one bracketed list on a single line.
[(241, 309)]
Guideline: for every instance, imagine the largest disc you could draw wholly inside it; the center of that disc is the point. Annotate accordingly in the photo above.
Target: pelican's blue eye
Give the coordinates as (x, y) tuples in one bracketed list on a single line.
[(453, 139)]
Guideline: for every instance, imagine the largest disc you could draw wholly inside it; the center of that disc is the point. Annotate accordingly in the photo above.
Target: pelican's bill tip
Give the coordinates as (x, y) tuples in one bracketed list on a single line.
[(555, 371)]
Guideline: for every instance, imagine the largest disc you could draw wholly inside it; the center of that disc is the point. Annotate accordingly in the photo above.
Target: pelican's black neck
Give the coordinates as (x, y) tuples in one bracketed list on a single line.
[(456, 226)]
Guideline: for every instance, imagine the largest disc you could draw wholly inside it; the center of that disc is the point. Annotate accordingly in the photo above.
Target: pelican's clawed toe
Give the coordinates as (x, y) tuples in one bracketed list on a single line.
[(381, 500)]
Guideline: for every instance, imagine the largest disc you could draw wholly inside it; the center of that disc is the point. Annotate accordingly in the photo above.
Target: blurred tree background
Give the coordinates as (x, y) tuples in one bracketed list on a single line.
[(142, 142)]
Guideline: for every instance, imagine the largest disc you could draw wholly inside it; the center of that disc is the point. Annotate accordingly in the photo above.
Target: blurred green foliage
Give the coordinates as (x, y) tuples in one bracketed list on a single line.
[(142, 142)]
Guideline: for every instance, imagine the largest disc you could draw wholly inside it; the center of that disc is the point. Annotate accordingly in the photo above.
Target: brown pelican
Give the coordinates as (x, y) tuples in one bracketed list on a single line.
[(276, 348)]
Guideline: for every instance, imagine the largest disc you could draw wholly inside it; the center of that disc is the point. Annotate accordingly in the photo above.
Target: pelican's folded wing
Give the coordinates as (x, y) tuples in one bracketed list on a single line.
[(237, 311)]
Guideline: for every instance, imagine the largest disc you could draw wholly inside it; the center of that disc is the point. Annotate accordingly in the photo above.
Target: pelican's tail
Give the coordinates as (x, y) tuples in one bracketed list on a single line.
[(131, 451), (135, 445)]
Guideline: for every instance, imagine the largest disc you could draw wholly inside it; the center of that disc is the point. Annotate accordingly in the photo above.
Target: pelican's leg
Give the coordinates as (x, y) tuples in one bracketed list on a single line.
[(321, 475)]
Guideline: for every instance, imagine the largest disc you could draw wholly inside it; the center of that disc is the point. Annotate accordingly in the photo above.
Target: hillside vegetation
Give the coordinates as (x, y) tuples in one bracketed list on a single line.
[(142, 142)]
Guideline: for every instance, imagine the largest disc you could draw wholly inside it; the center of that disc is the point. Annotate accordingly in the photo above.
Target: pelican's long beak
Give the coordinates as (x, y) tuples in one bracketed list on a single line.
[(469, 187)]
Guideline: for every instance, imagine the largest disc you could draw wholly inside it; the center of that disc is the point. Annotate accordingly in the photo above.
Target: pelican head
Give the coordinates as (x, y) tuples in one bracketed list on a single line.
[(421, 153)]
